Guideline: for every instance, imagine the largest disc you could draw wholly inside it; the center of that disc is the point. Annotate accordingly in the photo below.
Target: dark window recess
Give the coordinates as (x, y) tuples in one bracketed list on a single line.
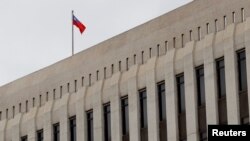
[(221, 89), (242, 70), (26, 108), (203, 136), (200, 86), (72, 127), (143, 114), (125, 116), (245, 121), (82, 81), (120, 65), (221, 82), (174, 39), (40, 135), (75, 85), (181, 107), (107, 122), (56, 132), (24, 138), (90, 128), (60, 94), (143, 108), (89, 79), (162, 111), (181, 93), (68, 85), (201, 99), (142, 58), (112, 68), (162, 101), (242, 80)]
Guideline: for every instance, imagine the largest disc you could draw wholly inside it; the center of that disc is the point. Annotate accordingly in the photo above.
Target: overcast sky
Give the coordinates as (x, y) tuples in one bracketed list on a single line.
[(37, 33)]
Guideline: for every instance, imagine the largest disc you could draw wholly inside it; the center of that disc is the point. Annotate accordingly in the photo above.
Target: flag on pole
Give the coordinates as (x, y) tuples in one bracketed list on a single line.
[(78, 24)]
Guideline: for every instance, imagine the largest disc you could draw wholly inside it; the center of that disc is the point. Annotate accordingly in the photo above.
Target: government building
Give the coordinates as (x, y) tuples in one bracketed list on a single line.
[(164, 80)]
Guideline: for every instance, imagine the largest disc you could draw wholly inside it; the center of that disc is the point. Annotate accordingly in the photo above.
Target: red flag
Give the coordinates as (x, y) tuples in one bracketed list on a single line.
[(78, 24)]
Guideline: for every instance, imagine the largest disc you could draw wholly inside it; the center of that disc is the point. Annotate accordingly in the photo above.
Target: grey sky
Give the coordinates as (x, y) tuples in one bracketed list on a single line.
[(37, 33)]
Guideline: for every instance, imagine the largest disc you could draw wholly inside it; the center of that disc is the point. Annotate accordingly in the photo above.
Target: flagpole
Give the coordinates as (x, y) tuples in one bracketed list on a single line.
[(72, 33)]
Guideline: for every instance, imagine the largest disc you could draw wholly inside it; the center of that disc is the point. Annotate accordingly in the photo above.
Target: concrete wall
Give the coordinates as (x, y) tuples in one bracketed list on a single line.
[(157, 34)]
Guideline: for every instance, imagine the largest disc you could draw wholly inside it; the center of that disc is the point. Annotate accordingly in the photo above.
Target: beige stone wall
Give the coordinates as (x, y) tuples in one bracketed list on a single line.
[(158, 32), (47, 104)]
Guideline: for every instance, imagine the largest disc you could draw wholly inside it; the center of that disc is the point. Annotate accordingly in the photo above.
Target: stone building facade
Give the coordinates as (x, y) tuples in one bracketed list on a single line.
[(163, 80)]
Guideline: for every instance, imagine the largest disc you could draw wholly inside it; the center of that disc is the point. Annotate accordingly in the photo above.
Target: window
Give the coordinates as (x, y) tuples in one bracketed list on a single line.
[(0, 115), (125, 116), (105, 72), (150, 52), (200, 85), (162, 111), (72, 127), (221, 90), (216, 26), (142, 58), (174, 42), (82, 81), (40, 100), (162, 101), (90, 128), (221, 83), (97, 75), (56, 132), (112, 68), (68, 87), (134, 59), (225, 21), (233, 17), (26, 108), (90, 79), (126, 63), (203, 136), (158, 50), (54, 94), (143, 115), (143, 108), (166, 46), (39, 135), (75, 85), (182, 40), (190, 35), (13, 111), (245, 121), (107, 122), (208, 28), (120, 65), (242, 14), (242, 76), (20, 107), (33, 102), (199, 33), (24, 138), (61, 88), (242, 83), (47, 96), (181, 93), (7, 113)]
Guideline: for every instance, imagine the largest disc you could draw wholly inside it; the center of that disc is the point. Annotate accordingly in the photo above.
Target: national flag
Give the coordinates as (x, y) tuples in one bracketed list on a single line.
[(78, 24)]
